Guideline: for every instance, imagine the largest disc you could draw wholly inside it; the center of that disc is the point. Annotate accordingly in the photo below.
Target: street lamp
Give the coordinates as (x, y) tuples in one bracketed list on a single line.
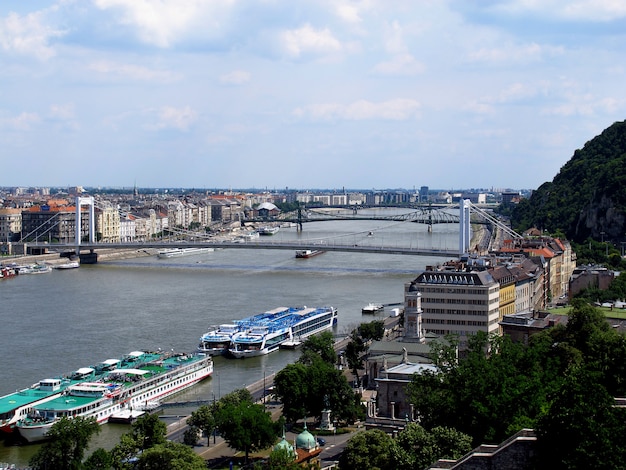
[(264, 387), (263, 395), (219, 393)]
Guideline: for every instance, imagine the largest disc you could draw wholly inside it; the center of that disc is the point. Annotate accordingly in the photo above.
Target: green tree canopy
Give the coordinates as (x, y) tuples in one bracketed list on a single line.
[(171, 456), (246, 426), (67, 443), (291, 387), (498, 388), (146, 432), (373, 330), (415, 447), (582, 429), (368, 449), (203, 418), (320, 345), (100, 459), (305, 390)]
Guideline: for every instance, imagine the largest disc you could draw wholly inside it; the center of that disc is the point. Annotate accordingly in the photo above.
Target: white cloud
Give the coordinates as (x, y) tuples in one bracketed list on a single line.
[(347, 11), (134, 72), (514, 93), (163, 23), (308, 40), (28, 35), (236, 77), (479, 107), (21, 122), (578, 10), (174, 118), (400, 64), (396, 110), (512, 53), (62, 112), (394, 40)]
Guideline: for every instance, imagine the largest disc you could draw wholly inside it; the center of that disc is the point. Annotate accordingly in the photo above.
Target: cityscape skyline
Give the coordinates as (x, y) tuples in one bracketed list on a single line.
[(331, 94)]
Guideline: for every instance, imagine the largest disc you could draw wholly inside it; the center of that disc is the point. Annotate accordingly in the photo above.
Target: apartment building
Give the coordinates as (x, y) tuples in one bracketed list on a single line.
[(53, 223), (455, 302), (10, 225), (558, 255), (108, 224)]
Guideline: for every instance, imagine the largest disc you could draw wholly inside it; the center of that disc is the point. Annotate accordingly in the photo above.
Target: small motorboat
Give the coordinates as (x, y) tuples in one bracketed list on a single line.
[(372, 308)]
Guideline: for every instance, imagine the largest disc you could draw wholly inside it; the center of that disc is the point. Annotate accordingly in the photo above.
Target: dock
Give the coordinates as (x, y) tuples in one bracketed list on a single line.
[(126, 416), (290, 344)]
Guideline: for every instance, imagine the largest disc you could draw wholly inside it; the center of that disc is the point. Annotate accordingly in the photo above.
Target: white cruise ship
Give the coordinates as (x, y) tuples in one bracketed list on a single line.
[(264, 335)]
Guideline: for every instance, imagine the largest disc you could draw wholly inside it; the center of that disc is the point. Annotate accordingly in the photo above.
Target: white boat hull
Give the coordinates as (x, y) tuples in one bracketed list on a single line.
[(177, 252)]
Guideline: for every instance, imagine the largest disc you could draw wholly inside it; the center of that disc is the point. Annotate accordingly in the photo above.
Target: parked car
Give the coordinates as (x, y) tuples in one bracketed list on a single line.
[(321, 442)]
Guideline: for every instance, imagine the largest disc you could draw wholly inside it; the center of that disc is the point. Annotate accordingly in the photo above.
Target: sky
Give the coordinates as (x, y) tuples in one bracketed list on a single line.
[(274, 94)]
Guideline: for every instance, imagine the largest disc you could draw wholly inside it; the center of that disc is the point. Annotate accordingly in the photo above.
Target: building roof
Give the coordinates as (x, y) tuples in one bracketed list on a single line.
[(378, 348), (267, 206), (474, 278), (305, 440)]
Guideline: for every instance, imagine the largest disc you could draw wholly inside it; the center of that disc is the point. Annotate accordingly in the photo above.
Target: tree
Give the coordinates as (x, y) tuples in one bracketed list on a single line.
[(415, 447), (170, 455), (246, 427), (123, 452), (148, 431), (373, 330), (367, 449), (354, 355), (358, 345), (282, 459), (69, 439), (320, 345), (203, 418), (190, 436), (100, 459), (234, 398), (499, 388), (582, 429), (291, 386), (304, 389)]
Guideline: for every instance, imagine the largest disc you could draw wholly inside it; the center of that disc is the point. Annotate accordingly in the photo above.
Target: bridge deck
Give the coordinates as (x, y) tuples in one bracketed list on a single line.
[(300, 245)]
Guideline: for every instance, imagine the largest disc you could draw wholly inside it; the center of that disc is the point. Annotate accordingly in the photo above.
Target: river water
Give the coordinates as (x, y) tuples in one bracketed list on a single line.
[(55, 323)]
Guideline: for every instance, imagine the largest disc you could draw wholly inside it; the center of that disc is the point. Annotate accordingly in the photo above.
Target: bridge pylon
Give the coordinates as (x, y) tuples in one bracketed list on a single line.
[(88, 201), (465, 227), (299, 222)]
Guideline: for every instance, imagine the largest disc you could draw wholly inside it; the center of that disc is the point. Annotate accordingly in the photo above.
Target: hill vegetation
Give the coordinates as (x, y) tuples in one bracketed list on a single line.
[(587, 198)]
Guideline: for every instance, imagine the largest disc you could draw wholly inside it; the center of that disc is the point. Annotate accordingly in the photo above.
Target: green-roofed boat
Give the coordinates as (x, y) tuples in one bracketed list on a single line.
[(138, 379), (15, 406)]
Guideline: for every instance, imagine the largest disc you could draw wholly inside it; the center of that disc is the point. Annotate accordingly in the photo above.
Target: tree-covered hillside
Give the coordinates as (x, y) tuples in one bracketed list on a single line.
[(587, 198)]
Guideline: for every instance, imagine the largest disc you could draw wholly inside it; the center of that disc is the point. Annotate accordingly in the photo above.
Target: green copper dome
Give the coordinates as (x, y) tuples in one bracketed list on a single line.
[(284, 444), (305, 440)]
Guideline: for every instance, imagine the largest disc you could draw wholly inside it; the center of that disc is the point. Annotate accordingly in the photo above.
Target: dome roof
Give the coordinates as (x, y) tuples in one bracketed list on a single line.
[(267, 206), (284, 444), (305, 440)]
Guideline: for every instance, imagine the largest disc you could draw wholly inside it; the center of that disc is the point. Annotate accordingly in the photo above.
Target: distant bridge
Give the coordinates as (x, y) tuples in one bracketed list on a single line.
[(256, 244), (422, 215)]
